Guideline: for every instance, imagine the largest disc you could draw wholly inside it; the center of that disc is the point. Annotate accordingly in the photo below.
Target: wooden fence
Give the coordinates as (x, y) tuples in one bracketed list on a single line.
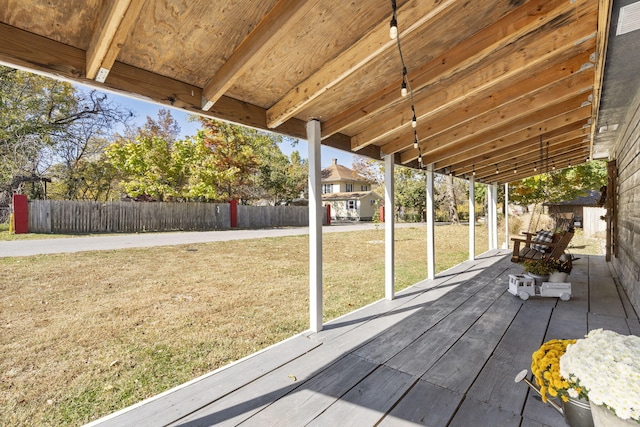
[(52, 216), (593, 225)]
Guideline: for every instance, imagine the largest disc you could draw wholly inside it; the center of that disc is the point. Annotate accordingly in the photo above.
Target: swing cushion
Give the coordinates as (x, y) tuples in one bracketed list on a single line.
[(542, 237)]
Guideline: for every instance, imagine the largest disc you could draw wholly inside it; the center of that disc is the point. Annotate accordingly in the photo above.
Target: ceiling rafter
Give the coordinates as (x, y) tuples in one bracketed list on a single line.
[(507, 175), (443, 146), (502, 66), (463, 163), (534, 129), (491, 98), (116, 21), (520, 160), (512, 27), (483, 153), (270, 28), (370, 46), (575, 85)]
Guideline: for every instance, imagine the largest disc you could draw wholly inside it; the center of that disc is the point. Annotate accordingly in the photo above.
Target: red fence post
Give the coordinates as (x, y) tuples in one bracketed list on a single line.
[(381, 213), (328, 209), (233, 210), (20, 214)]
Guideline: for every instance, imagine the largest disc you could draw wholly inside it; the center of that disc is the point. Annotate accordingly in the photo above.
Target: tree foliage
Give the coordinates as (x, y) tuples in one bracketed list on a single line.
[(222, 162), (46, 123), (561, 185)]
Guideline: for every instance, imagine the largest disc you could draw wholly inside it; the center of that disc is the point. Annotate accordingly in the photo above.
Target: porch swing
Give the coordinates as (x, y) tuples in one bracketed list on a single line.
[(543, 243)]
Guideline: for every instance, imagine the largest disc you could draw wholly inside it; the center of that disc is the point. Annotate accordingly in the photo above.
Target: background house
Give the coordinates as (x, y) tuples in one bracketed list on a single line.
[(349, 194)]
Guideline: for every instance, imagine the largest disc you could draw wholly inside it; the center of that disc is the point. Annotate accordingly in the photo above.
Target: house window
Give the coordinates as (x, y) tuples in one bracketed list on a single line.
[(352, 204), (364, 188), (349, 188), (327, 188)]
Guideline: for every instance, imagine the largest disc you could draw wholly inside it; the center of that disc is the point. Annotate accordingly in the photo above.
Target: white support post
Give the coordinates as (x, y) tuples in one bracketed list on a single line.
[(494, 209), (489, 218), (315, 227), (389, 227), (472, 219), (505, 245), (431, 246)]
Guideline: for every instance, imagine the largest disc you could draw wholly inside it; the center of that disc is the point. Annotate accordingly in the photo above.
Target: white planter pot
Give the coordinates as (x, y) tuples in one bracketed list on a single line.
[(558, 277), (602, 417)]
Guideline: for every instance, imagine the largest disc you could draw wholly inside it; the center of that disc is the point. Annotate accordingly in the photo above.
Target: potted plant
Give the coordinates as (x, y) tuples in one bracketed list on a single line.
[(538, 269), (545, 365), (561, 269), (607, 365)]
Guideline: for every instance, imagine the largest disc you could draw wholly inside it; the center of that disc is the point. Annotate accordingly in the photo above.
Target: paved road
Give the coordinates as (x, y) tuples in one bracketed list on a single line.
[(15, 248)]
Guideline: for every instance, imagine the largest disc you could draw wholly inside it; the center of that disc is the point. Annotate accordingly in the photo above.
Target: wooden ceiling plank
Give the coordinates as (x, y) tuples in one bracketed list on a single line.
[(463, 163), (483, 153), (522, 157), (446, 95), (533, 130), (116, 21), (494, 97), (507, 175), (413, 15), (507, 30), (23, 49), (444, 145), (568, 88), (270, 28)]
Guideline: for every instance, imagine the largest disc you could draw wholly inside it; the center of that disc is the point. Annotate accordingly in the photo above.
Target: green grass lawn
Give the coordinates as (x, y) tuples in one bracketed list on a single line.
[(86, 334)]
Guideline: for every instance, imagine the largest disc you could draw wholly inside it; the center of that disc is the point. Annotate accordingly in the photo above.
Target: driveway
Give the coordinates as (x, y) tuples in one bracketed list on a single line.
[(15, 248)]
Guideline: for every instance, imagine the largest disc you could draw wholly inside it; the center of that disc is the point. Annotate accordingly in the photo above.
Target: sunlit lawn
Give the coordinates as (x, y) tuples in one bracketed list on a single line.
[(86, 334)]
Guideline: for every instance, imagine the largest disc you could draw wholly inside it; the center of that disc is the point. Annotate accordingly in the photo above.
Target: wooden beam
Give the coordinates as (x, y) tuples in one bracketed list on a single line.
[(529, 148), (554, 128), (493, 98), (525, 157), (117, 18), (447, 94), (371, 45), (444, 145), (270, 28), (23, 49), (506, 173), (525, 19)]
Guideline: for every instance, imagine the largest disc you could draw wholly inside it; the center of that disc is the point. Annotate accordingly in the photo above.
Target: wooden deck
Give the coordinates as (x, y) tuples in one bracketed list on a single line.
[(443, 353)]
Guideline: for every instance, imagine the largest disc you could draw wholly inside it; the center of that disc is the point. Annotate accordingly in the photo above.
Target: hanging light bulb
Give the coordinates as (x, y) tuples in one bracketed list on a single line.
[(474, 170), (569, 164), (414, 120), (553, 165), (515, 169), (415, 142), (535, 167), (420, 158), (393, 28), (403, 90), (497, 171)]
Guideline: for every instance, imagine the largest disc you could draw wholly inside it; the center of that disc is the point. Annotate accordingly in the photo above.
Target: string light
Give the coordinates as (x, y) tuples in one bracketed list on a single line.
[(405, 88), (535, 167), (553, 165), (497, 171), (515, 169), (474, 170), (393, 25)]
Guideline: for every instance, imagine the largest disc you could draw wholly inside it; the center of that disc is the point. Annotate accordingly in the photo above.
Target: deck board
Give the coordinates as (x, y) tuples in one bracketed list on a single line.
[(442, 353)]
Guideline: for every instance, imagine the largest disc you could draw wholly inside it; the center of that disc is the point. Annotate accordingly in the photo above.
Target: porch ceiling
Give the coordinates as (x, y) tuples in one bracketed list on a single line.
[(490, 79)]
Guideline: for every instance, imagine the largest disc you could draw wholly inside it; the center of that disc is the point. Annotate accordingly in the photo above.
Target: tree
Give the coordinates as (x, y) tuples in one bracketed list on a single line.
[(281, 178), (45, 122), (154, 164), (562, 185)]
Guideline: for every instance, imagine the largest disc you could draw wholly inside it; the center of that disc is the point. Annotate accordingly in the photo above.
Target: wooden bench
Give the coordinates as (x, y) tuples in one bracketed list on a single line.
[(522, 250)]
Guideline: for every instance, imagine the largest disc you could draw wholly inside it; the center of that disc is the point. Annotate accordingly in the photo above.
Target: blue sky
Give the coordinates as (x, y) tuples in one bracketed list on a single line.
[(142, 109)]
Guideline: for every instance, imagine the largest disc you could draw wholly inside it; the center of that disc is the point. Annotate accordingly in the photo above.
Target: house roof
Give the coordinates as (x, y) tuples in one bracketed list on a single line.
[(591, 199), (337, 172), (350, 196), (492, 82)]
